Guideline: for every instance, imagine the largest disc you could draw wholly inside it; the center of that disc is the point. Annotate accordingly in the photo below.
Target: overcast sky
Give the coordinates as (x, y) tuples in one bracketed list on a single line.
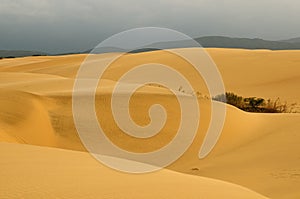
[(76, 25)]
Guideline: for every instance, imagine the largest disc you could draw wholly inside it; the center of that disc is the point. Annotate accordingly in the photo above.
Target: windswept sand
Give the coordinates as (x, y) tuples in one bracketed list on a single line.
[(39, 172), (257, 151)]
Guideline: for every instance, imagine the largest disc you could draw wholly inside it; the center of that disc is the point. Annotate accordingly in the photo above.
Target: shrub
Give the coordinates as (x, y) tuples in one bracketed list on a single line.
[(254, 104)]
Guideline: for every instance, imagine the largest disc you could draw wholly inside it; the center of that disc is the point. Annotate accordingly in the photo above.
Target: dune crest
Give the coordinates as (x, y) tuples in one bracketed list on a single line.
[(69, 174), (257, 151)]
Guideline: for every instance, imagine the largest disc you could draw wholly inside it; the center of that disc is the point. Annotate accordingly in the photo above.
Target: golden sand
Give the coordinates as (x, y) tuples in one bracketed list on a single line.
[(258, 152)]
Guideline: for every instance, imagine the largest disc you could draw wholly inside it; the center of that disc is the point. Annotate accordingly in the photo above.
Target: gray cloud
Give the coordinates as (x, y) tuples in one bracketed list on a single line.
[(74, 25)]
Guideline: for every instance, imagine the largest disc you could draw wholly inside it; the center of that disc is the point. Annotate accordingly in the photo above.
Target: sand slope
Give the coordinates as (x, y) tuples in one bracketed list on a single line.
[(260, 151), (35, 172), (264, 73), (257, 151)]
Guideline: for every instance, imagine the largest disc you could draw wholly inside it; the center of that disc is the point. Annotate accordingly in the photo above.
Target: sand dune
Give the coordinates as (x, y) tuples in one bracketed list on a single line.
[(36, 172), (263, 73), (257, 151)]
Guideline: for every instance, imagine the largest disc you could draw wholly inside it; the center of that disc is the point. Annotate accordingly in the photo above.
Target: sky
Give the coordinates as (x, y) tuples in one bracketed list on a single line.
[(56, 26)]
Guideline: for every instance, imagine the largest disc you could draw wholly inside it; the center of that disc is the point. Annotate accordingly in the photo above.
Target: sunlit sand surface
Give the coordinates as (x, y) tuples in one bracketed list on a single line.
[(257, 155)]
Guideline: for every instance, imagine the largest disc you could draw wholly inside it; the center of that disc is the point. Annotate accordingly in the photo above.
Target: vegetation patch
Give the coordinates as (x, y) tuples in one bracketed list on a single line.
[(256, 104)]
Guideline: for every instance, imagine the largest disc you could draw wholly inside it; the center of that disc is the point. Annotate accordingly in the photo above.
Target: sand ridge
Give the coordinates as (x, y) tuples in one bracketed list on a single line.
[(257, 151), (46, 172)]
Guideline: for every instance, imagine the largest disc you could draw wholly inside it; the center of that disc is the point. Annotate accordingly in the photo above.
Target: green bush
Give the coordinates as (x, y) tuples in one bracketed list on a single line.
[(254, 104)]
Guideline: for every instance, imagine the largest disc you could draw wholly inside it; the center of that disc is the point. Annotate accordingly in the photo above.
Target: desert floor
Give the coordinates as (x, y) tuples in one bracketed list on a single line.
[(41, 155)]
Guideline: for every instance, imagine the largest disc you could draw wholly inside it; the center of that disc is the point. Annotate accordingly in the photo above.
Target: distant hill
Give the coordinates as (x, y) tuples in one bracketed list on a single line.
[(19, 53), (293, 40), (227, 42), (95, 51), (207, 42)]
